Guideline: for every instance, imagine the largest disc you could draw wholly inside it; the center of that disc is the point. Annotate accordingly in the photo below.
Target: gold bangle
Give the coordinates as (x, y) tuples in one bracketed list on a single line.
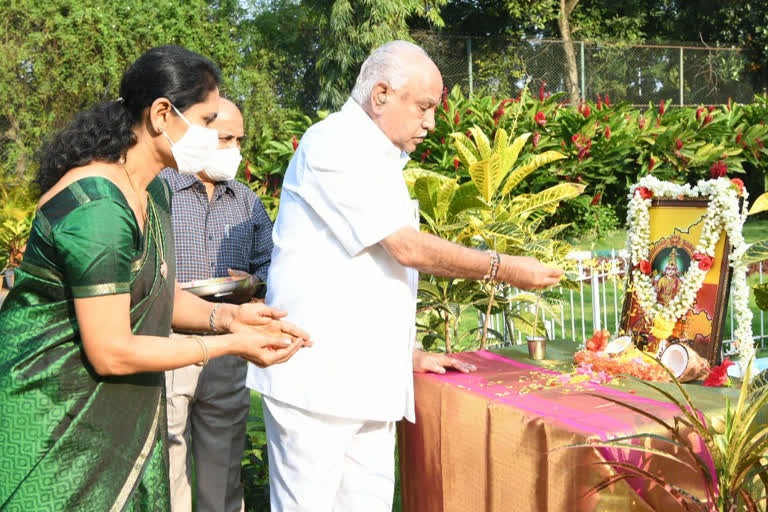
[(203, 346)]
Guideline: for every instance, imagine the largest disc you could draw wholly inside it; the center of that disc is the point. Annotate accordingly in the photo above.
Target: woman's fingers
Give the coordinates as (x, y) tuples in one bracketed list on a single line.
[(295, 332), (267, 349)]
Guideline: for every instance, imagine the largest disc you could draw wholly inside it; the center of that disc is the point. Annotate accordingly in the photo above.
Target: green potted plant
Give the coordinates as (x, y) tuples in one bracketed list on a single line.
[(484, 212), (16, 214)]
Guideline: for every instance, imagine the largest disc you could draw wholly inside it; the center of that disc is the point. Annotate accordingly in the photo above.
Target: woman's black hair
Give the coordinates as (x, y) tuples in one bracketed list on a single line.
[(104, 132)]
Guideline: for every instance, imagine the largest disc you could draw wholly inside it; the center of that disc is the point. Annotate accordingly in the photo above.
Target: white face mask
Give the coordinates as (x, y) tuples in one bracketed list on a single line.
[(193, 150), (222, 164)]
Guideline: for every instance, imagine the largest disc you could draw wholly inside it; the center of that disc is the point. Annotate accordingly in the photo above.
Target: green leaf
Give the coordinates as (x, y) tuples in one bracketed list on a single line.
[(411, 174), (548, 198), (761, 296), (425, 190), (482, 142), (486, 175), (500, 141), (466, 150), (513, 152), (445, 195), (465, 198), (526, 322), (510, 231), (530, 165), (760, 204), (553, 231), (430, 289)]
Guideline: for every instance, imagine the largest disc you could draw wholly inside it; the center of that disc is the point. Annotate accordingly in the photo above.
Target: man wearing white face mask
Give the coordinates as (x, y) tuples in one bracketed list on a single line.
[(220, 228)]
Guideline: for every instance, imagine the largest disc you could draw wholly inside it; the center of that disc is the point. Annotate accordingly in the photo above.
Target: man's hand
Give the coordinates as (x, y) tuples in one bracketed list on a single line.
[(254, 283), (527, 273), (253, 280), (424, 362)]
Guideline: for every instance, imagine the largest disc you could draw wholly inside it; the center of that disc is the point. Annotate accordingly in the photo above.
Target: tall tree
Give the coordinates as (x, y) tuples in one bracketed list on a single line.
[(59, 56), (746, 22), (351, 29), (289, 32), (572, 71)]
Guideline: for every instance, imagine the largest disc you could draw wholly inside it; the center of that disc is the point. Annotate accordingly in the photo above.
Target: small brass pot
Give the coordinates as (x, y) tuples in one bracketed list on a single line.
[(537, 347)]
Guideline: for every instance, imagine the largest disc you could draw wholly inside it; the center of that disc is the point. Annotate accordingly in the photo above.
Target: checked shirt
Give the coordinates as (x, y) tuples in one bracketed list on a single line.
[(232, 230)]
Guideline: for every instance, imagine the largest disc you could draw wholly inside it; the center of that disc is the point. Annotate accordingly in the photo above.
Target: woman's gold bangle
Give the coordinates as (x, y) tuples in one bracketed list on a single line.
[(203, 346)]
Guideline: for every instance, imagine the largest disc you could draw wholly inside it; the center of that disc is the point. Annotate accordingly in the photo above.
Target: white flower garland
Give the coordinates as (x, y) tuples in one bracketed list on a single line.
[(722, 214)]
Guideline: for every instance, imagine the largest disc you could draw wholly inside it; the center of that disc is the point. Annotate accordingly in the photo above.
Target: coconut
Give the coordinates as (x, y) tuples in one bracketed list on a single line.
[(675, 357), (685, 363)]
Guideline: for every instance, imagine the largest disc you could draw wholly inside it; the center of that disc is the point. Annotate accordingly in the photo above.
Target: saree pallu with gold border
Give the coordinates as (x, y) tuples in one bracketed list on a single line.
[(71, 439)]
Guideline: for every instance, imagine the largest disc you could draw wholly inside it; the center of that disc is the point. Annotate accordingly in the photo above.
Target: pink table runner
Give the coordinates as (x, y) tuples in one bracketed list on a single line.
[(481, 442)]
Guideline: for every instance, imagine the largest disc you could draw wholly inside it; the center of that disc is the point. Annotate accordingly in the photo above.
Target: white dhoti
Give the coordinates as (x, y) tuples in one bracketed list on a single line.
[(324, 463)]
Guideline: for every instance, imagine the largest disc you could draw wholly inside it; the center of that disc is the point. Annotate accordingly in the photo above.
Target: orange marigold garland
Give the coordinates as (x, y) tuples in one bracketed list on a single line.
[(630, 361)]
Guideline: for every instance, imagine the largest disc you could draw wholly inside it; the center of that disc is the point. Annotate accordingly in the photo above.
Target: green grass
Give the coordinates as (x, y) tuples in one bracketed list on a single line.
[(610, 240), (469, 318), (754, 230)]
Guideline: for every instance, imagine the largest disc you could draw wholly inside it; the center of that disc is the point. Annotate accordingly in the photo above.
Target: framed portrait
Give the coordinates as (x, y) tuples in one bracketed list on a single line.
[(675, 229)]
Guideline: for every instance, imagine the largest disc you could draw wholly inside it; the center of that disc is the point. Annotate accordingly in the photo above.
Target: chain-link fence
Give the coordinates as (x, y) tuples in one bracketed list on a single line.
[(686, 75)]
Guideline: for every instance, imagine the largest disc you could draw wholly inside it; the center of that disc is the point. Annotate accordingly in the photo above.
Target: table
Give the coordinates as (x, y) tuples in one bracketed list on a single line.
[(478, 444)]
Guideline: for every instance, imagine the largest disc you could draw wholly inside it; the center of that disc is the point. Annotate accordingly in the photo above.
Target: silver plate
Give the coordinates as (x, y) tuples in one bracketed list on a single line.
[(218, 287)]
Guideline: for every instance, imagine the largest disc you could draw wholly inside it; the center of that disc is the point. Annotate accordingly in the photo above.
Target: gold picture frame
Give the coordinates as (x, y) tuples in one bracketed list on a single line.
[(675, 229)]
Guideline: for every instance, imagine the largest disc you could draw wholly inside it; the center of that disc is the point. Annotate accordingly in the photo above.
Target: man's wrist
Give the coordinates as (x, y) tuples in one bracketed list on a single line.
[(508, 269)]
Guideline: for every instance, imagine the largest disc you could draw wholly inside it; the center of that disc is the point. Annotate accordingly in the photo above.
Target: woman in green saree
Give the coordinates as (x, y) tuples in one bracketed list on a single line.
[(85, 329)]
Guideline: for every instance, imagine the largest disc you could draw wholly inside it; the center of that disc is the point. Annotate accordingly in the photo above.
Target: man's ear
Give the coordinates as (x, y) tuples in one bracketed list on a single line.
[(379, 97)]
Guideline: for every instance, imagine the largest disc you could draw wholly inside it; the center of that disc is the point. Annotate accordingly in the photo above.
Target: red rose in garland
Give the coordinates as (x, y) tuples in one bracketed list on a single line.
[(644, 192), (645, 267), (705, 262)]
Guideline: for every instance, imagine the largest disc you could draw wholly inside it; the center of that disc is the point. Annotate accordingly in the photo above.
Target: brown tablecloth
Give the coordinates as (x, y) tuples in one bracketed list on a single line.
[(483, 442)]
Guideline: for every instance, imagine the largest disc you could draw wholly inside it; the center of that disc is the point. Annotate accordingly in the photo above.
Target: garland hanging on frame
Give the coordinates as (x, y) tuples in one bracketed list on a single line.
[(723, 214)]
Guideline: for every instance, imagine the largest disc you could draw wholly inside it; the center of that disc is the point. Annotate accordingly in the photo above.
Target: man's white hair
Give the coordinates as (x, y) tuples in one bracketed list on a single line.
[(388, 63)]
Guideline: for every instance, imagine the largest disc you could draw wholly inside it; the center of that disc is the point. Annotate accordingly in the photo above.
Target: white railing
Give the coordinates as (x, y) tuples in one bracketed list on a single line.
[(597, 304)]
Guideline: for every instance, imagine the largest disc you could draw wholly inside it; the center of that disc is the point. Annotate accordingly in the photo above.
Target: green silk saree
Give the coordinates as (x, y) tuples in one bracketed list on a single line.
[(71, 439)]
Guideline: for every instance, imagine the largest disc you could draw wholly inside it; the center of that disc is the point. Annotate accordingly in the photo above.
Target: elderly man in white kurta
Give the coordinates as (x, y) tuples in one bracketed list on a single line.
[(347, 249)]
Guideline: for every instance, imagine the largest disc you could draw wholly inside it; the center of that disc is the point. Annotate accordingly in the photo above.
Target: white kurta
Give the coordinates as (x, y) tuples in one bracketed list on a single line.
[(343, 193)]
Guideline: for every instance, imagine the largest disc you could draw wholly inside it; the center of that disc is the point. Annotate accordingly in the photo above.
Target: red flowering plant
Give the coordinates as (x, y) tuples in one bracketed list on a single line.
[(605, 147), (265, 167)]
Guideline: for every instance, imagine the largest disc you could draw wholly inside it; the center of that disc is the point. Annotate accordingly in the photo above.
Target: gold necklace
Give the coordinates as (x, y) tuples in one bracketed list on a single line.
[(136, 193), (148, 227), (154, 230)]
